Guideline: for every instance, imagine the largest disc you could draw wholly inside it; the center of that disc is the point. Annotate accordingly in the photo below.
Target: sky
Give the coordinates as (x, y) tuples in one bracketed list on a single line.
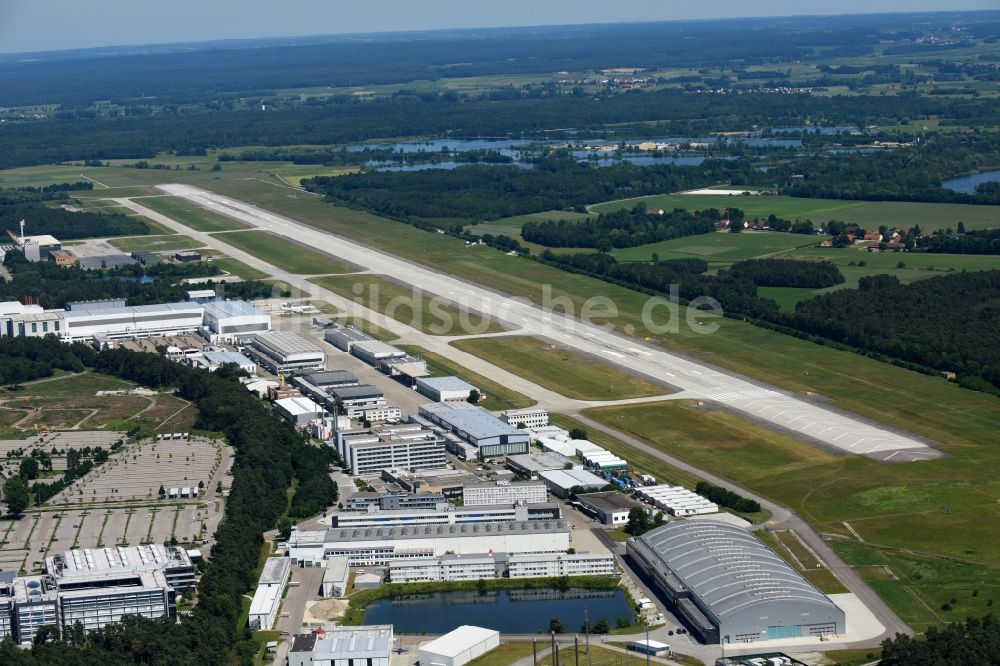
[(45, 25)]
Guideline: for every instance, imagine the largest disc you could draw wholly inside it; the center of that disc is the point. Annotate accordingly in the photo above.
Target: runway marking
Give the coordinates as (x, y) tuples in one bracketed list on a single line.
[(608, 351)]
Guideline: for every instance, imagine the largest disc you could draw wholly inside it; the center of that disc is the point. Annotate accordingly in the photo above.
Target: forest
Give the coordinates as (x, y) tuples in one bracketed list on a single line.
[(269, 454), (68, 225), (624, 228), (975, 641), (773, 272), (983, 241)]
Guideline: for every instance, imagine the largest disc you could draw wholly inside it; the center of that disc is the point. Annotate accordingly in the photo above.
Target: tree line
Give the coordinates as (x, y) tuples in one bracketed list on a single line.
[(772, 272), (622, 228), (984, 241), (269, 454), (727, 498), (69, 225), (975, 641)]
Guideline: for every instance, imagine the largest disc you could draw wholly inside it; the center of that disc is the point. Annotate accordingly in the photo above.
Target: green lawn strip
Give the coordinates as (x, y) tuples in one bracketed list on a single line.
[(559, 369), (79, 528), (149, 530), (823, 579), (128, 519), (853, 657), (497, 397), (286, 254), (190, 214), (238, 268), (404, 304), (170, 243), (506, 654), (104, 524)]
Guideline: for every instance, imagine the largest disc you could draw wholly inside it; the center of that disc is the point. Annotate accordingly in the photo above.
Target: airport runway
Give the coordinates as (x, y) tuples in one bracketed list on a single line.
[(761, 403)]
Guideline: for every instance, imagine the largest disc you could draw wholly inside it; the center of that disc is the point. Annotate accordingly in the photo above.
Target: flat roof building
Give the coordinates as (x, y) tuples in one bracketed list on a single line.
[(173, 561), (393, 501), (561, 482), (445, 389), (344, 337), (447, 514), (728, 585), (531, 464), (286, 351), (676, 500), (343, 646), (373, 352), (611, 508), (478, 427), (299, 411), (504, 492), (459, 647), (403, 446), (445, 567), (213, 360), (338, 570), (549, 565), (530, 417), (233, 321), (137, 321)]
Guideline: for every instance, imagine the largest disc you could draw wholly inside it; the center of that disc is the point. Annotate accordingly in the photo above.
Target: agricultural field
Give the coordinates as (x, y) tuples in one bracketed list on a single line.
[(284, 253), (170, 243), (559, 369), (409, 306), (190, 215), (932, 523), (496, 397)]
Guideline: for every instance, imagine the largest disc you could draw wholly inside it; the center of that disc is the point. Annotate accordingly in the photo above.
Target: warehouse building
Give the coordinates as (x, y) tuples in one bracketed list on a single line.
[(375, 546), (490, 435), (547, 565), (725, 584), (282, 352), (357, 399), (343, 646), (562, 482), (408, 369), (443, 568), (459, 646), (317, 385), (338, 570), (445, 389), (267, 597), (530, 417), (233, 321), (299, 411), (137, 321), (448, 515), (531, 465), (611, 507), (676, 500), (373, 352), (402, 446), (393, 501), (213, 360), (344, 337), (504, 492)]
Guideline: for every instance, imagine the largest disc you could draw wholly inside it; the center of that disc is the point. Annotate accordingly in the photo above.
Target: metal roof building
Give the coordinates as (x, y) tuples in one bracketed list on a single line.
[(445, 389), (459, 646), (478, 427), (285, 351), (727, 584), (370, 645), (561, 481)]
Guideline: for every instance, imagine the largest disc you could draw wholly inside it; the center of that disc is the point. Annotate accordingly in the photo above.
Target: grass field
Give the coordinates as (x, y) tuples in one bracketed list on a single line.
[(403, 304), (559, 369), (234, 267), (191, 215), (496, 396), (504, 655), (284, 253), (170, 243), (293, 175), (936, 524), (785, 545)]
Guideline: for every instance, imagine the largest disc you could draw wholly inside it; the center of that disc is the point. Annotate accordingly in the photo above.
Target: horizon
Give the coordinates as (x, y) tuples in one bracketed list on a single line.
[(16, 28)]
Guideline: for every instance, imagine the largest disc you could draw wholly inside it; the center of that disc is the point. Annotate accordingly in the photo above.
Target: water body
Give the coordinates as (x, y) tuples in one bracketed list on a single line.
[(508, 611), (967, 184), (447, 166)]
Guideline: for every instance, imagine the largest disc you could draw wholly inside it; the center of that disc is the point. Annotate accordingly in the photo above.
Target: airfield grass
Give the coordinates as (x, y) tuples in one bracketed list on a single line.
[(560, 369), (190, 215), (933, 523), (853, 657), (824, 579), (506, 654), (497, 397), (413, 308), (283, 253), (169, 243), (294, 175)]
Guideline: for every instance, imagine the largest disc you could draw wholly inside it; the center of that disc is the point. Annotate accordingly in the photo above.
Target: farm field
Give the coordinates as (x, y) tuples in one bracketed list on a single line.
[(496, 396), (170, 243), (190, 215), (559, 369), (408, 306), (923, 518), (284, 253)]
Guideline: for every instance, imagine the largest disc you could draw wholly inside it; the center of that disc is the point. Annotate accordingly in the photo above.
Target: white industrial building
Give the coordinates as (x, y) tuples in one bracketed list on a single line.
[(504, 492), (380, 545), (676, 500), (343, 646), (213, 360), (443, 568), (344, 337), (531, 465), (561, 482), (286, 351), (458, 647), (557, 440), (38, 248), (402, 446), (338, 570), (373, 352), (267, 597), (546, 565), (529, 417), (234, 321), (490, 435), (447, 514), (611, 507), (137, 321), (299, 410), (445, 389)]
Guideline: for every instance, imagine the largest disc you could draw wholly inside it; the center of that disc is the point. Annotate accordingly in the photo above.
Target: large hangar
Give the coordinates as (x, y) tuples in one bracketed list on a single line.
[(724, 582)]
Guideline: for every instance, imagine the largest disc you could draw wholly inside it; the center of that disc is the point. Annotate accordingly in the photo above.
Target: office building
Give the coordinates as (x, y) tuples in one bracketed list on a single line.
[(530, 417), (447, 514), (373, 546), (403, 446), (445, 389), (490, 435), (343, 646), (459, 647), (233, 321), (448, 482), (611, 508), (338, 570), (443, 568), (357, 400), (547, 565), (393, 501), (173, 561), (285, 351), (676, 500), (562, 482), (727, 585), (504, 492)]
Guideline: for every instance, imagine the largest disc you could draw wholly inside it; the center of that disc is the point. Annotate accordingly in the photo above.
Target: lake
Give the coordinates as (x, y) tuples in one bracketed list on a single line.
[(967, 184), (507, 611)]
